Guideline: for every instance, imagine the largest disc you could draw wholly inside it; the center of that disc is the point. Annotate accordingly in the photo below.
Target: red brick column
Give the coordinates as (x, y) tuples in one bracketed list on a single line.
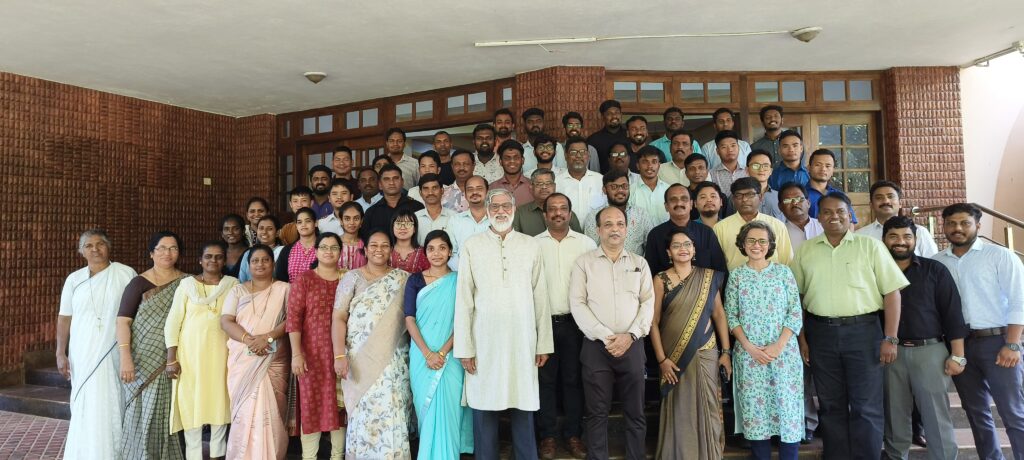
[(924, 149), (558, 90)]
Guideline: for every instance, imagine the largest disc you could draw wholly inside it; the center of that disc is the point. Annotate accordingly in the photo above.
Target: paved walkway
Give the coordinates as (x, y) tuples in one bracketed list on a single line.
[(29, 437)]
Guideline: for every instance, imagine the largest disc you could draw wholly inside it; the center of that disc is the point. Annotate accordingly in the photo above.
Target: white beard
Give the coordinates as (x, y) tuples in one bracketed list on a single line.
[(502, 227)]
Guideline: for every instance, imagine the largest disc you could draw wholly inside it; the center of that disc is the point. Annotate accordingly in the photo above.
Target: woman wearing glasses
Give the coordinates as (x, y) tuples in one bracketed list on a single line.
[(308, 323), (762, 304), (407, 254)]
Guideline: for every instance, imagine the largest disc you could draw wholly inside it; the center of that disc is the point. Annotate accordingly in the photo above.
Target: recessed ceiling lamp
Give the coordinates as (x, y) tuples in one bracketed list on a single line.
[(983, 61), (804, 34), (315, 77)]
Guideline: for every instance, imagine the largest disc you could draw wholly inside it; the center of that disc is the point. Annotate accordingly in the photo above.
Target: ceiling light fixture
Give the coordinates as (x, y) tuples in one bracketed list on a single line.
[(804, 34), (984, 60), (315, 77)]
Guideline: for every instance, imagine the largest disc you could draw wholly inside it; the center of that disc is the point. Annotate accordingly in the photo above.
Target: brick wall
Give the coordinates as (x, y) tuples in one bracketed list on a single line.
[(924, 149), (558, 90), (73, 158)]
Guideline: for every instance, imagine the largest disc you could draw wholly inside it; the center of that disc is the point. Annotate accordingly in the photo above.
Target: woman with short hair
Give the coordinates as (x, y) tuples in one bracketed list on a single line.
[(407, 254)]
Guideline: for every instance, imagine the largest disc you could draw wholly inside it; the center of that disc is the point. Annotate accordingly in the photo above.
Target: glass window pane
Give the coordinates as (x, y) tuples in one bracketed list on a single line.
[(860, 90), (855, 134), (403, 112), (351, 120), (652, 92), (506, 97), (308, 126), (793, 91), (457, 105), (326, 123), (833, 90), (287, 164), (857, 182), (837, 181), (692, 92), (314, 159), (857, 158), (766, 91), (477, 102), (424, 110), (719, 92), (328, 158), (287, 128), (370, 117), (625, 91), (829, 135), (289, 182)]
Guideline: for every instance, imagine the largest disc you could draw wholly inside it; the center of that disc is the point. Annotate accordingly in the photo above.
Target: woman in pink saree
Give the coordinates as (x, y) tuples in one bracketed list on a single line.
[(258, 364)]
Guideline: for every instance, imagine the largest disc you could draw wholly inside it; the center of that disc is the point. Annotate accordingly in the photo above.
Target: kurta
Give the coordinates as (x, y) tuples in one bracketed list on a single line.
[(200, 393), (502, 319), (769, 398), (310, 304), (96, 400)]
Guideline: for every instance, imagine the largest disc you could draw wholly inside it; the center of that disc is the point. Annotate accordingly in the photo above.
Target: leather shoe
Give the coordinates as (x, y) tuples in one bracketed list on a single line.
[(808, 437), (576, 447), (547, 448), (919, 440)]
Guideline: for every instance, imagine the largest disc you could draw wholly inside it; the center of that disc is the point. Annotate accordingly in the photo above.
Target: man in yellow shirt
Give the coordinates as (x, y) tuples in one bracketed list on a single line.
[(746, 197), (845, 280)]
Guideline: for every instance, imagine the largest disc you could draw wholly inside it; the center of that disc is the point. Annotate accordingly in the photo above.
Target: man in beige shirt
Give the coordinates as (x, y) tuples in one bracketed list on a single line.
[(611, 296)]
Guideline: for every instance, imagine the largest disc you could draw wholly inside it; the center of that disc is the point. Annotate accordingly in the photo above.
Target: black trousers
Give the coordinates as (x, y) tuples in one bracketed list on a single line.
[(603, 374), (560, 376)]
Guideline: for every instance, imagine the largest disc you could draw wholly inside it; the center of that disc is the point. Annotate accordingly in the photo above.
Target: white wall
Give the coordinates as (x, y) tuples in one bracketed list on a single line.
[(993, 127)]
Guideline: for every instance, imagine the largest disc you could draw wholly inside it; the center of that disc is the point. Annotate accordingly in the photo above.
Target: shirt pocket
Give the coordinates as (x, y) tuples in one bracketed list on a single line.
[(629, 282)]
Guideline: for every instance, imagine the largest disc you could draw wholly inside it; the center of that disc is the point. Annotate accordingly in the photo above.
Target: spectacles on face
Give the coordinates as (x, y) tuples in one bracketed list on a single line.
[(760, 166), (545, 148), (574, 125), (165, 249), (614, 187), (577, 153), (683, 245), (794, 200), (756, 241), (404, 224), (744, 196), (213, 256), (543, 184), (617, 154), (326, 248), (495, 207)]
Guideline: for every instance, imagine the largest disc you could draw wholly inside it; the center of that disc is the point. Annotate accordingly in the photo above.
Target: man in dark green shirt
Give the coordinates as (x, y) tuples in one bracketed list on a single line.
[(529, 217)]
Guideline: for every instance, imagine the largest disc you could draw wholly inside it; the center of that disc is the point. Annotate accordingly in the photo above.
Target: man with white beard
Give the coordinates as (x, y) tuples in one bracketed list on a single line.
[(502, 319)]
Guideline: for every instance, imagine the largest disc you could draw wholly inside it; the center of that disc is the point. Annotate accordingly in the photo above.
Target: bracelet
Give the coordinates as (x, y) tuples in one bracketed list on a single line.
[(123, 345), (343, 355), (727, 351), (245, 335), (442, 354), (663, 360), (172, 363)]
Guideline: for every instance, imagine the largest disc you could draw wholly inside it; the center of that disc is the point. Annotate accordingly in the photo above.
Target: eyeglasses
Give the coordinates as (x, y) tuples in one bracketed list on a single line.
[(617, 154), (404, 224), (543, 184), (617, 186), (545, 148), (494, 207), (743, 196), (760, 166), (577, 153), (683, 245), (794, 200), (756, 241), (164, 249), (326, 248), (213, 256), (574, 125)]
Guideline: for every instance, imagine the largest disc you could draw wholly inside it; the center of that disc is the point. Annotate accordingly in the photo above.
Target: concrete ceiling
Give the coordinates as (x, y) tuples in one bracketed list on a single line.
[(247, 57)]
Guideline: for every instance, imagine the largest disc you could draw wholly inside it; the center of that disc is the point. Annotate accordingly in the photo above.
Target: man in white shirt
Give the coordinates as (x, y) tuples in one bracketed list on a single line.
[(488, 164), (730, 168), (394, 145), (533, 121), (433, 216), (369, 188), (474, 220), (340, 194), (578, 182), (430, 163), (885, 203), (794, 205), (649, 192), (572, 122), (724, 120), (674, 170)]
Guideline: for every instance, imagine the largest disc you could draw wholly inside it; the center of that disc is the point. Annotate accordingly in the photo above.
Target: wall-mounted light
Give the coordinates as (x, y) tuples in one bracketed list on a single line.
[(984, 60), (315, 77), (804, 34)]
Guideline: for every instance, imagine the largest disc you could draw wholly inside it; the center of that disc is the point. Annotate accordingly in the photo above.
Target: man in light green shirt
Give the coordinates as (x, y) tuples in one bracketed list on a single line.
[(845, 280), (746, 198)]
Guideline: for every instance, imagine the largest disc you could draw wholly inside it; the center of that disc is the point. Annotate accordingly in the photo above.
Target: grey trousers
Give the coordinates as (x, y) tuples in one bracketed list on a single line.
[(918, 374)]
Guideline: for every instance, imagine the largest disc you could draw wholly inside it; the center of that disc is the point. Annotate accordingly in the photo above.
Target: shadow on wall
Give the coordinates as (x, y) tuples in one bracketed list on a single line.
[(1010, 182)]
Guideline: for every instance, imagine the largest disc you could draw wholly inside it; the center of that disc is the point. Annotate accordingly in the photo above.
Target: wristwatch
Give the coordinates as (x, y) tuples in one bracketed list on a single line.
[(1013, 346), (270, 339), (958, 359), (892, 340)]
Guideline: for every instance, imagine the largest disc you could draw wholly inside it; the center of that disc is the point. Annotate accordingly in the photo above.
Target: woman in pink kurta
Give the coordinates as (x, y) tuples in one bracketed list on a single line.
[(310, 304)]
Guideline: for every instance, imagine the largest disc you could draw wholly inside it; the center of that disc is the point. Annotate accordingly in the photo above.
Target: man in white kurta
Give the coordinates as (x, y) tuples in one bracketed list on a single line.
[(88, 306), (502, 328)]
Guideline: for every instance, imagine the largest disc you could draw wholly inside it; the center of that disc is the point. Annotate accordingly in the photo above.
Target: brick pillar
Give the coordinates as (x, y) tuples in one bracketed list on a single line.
[(558, 90), (924, 148)]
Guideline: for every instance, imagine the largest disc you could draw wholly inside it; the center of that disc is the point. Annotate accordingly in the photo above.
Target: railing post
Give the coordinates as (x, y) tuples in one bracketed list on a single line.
[(1008, 231), (931, 225)]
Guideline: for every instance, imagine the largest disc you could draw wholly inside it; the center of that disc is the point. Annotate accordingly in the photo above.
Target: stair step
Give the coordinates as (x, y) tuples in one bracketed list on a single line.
[(959, 416), (44, 401), (46, 376)]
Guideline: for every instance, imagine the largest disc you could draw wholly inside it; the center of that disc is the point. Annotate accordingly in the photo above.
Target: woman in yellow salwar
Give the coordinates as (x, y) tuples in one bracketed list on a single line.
[(197, 355), (688, 313), (258, 364)]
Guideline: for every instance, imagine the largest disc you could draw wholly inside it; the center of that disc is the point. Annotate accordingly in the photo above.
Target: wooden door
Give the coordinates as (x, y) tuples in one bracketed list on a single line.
[(853, 137)]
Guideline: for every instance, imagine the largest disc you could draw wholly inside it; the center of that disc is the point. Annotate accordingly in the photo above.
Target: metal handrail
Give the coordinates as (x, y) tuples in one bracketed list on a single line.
[(1008, 231)]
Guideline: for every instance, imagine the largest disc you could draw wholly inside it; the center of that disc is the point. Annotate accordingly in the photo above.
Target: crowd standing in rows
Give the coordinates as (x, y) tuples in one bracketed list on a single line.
[(406, 306)]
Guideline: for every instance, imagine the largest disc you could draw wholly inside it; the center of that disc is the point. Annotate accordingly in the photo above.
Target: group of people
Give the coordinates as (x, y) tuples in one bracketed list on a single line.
[(414, 302)]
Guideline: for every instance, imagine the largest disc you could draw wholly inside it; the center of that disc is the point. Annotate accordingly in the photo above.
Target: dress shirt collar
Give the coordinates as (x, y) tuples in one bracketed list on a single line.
[(571, 234), (848, 236), (978, 245)]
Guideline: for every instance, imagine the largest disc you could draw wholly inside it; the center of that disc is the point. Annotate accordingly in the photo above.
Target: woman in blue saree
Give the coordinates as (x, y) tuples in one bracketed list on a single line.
[(445, 426)]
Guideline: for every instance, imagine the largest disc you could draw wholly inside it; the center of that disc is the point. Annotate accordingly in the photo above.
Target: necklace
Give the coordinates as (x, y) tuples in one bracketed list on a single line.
[(254, 293), (97, 309)]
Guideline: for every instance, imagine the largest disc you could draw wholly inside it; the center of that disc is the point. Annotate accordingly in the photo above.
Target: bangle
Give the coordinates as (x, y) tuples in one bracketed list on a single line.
[(244, 336), (123, 345), (442, 354), (172, 363), (343, 355), (663, 360)]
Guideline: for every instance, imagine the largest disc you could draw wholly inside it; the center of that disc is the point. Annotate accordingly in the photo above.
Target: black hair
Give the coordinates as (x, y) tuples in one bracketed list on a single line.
[(320, 168), (677, 231), (767, 108), (726, 134), (693, 157), (299, 191), (762, 152), (544, 139), (885, 183), (394, 130), (570, 115), (390, 168), (408, 214), (370, 169), (210, 243), (790, 133), (381, 157), (618, 143), (238, 220), (649, 151), (673, 110), (745, 183), (352, 205), (260, 247), (636, 118), (756, 224), (155, 238), (597, 215), (428, 178), (503, 111), (434, 137), (674, 185), (789, 185), (438, 234), (272, 219), (556, 194), (320, 238), (575, 140), (510, 144), (723, 110), (374, 231), (531, 112), (343, 148), (610, 103), (487, 126), (432, 155), (899, 222), (680, 132), (822, 152), (311, 212), (461, 151), (259, 200), (962, 207), (612, 176), (707, 184), (347, 183), (837, 196)]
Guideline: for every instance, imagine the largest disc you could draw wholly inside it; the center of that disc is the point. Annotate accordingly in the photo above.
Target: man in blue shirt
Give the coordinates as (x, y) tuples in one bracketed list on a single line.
[(673, 119), (791, 169), (822, 166), (991, 283)]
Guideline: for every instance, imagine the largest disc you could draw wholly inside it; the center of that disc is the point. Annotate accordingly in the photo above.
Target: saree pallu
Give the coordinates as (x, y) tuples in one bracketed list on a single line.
[(691, 412), (445, 426), (377, 388), (258, 385), (147, 408)]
